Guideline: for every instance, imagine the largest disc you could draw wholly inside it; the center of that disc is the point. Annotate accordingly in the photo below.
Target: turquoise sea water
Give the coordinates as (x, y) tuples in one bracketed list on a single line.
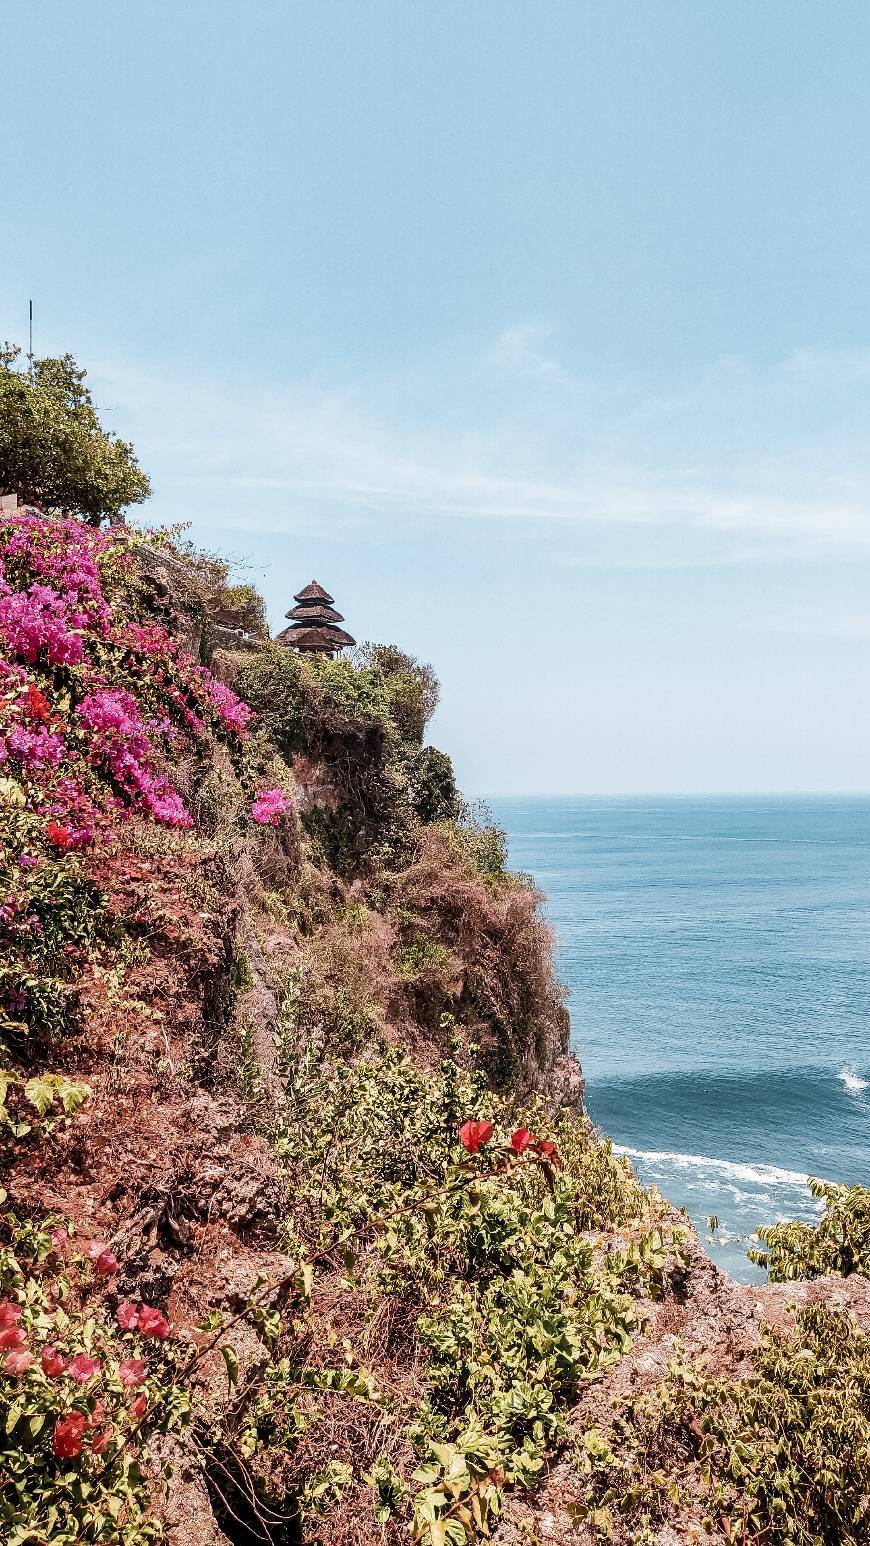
[(717, 953)]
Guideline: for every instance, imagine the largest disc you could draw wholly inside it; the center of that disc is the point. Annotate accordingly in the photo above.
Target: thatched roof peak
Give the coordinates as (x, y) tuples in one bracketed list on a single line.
[(315, 592)]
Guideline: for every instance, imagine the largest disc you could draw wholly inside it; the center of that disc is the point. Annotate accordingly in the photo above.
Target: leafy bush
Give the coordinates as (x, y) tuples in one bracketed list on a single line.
[(94, 706), (334, 713), (413, 689), (78, 1394), (838, 1244), (432, 786), (781, 1456), (53, 449), (480, 1244)]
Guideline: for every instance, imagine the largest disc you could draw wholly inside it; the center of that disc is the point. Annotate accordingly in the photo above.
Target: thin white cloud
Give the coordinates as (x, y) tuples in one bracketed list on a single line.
[(771, 458)]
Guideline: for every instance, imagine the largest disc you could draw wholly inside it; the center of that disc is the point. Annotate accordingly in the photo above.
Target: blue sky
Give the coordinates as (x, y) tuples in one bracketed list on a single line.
[(538, 332)]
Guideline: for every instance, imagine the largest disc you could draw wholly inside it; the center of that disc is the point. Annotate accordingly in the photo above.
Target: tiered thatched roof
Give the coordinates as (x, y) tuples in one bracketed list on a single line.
[(314, 626)]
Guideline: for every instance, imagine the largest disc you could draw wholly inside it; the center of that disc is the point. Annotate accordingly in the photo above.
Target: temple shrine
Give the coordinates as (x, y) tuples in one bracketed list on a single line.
[(314, 624)]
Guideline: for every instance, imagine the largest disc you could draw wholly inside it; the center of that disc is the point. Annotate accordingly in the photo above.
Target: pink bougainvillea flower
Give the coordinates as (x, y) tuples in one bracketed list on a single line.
[(59, 1241), (127, 1316), (52, 1363), (11, 1338), (139, 1406), (521, 1140), (104, 1260), (59, 836), (548, 1151), (152, 1323), (17, 1363), (269, 806), (83, 1368), (10, 1314), (473, 1134), (131, 1371), (69, 1432)]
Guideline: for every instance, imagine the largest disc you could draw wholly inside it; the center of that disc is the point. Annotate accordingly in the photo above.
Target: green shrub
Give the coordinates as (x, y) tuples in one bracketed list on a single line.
[(98, 1491), (56, 916), (781, 1456), (432, 786), (838, 1244), (413, 689), (508, 1308)]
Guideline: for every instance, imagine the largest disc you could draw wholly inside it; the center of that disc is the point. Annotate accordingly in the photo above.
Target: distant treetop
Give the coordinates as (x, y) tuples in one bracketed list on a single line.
[(54, 452)]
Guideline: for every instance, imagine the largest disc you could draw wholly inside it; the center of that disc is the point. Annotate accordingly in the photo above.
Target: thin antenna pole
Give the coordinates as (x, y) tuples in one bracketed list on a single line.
[(30, 356)]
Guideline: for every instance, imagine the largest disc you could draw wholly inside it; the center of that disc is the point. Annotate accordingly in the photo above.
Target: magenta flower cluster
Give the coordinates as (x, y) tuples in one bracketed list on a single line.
[(105, 698), (269, 806), (35, 749), (38, 621), (119, 740)]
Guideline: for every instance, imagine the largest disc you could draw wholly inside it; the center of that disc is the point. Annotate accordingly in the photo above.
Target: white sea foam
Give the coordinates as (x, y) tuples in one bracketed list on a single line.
[(852, 1081), (758, 1175)]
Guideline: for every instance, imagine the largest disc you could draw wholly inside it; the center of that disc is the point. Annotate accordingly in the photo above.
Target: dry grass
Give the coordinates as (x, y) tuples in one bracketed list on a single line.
[(504, 991)]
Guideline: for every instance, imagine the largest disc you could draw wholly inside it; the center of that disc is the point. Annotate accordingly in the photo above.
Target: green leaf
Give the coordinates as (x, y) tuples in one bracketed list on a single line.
[(231, 1362), (39, 1094)]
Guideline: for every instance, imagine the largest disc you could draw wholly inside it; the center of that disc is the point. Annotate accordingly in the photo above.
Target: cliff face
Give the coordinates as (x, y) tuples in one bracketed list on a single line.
[(303, 1216), (191, 889)]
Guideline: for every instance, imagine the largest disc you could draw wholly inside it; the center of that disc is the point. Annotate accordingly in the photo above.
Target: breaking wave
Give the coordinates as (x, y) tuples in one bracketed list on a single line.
[(852, 1081), (754, 1175)]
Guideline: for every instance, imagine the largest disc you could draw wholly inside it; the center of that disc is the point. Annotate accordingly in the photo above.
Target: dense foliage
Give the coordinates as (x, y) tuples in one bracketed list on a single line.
[(781, 1456), (427, 1208), (53, 450), (838, 1244), (79, 1390)]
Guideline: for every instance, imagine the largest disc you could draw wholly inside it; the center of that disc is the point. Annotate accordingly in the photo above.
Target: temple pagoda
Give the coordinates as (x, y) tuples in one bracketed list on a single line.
[(314, 624)]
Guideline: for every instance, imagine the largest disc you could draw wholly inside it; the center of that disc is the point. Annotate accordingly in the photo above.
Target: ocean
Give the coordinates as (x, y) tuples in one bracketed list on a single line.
[(717, 956)]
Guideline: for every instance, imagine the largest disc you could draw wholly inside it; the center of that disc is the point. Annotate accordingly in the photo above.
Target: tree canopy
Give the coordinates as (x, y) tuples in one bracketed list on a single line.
[(54, 451)]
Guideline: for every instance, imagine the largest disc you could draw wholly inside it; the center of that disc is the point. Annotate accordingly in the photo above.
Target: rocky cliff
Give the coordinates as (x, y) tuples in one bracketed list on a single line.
[(306, 1235)]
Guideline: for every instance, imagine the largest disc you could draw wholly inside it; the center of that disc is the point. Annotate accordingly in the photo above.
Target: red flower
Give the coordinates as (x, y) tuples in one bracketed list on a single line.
[(139, 1407), (17, 1363), (39, 707), (59, 836), (131, 1371), (152, 1323), (547, 1149), (521, 1140), (69, 1432), (10, 1314), (127, 1316), (52, 1363), (83, 1368), (101, 1440), (11, 1338), (473, 1134), (105, 1261)]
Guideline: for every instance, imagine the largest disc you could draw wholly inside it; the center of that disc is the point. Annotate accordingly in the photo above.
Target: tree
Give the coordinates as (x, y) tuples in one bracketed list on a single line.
[(53, 450)]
